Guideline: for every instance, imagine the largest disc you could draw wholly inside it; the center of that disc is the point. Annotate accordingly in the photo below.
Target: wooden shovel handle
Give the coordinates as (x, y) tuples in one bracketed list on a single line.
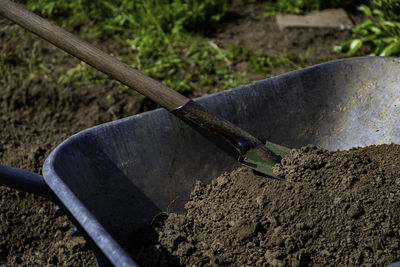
[(93, 56)]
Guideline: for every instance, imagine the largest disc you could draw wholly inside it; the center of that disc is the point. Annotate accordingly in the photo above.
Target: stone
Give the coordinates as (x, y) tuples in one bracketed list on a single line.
[(329, 18)]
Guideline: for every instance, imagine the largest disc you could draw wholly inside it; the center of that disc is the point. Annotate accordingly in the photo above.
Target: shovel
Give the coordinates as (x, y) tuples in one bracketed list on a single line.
[(244, 147)]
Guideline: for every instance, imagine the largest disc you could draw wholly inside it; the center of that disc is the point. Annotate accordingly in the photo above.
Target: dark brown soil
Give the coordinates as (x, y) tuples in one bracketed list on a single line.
[(337, 209), (247, 26), (36, 116), (37, 113)]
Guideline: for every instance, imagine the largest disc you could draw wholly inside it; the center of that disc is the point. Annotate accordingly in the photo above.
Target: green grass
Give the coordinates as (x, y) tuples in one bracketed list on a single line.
[(5, 55), (189, 63), (116, 16), (260, 63), (164, 40), (160, 38), (12, 59)]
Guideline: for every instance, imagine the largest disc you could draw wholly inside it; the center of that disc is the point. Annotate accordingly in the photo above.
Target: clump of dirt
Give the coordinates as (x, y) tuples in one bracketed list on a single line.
[(336, 208)]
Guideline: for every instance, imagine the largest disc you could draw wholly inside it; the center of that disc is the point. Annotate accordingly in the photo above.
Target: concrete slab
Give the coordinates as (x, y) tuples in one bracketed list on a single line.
[(329, 18)]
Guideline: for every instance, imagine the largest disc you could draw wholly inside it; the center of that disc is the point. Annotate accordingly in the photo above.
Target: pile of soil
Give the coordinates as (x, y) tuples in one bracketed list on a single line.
[(336, 208)]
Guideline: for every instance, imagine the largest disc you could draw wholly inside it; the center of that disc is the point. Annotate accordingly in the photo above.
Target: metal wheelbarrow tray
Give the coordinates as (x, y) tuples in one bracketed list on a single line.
[(117, 176)]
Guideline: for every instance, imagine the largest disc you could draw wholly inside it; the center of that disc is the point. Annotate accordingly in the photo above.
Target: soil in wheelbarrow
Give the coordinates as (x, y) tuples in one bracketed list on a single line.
[(337, 208)]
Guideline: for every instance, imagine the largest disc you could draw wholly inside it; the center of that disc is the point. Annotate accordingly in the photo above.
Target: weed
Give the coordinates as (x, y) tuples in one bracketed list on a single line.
[(162, 44), (381, 33), (9, 59), (77, 75), (113, 16), (160, 38), (184, 62), (5, 71), (259, 62)]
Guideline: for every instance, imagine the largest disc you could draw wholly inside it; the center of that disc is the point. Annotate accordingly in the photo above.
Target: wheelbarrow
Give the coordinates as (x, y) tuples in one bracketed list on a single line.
[(116, 177)]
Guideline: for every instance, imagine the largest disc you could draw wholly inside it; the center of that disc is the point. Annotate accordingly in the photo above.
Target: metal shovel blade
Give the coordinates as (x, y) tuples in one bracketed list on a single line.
[(248, 150), (261, 160)]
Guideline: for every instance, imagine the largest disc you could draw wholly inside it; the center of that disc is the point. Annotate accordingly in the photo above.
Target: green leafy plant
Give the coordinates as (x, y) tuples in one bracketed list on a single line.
[(381, 33), (259, 62), (184, 62), (5, 57), (162, 40), (11, 60), (110, 16), (77, 75), (160, 35)]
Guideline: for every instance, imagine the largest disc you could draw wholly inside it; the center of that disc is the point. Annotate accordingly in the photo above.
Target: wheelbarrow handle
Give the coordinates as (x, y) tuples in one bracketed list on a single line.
[(25, 181), (93, 56)]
